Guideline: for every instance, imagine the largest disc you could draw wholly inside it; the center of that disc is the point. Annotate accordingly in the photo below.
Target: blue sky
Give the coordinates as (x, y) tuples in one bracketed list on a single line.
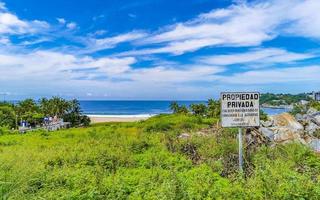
[(157, 49)]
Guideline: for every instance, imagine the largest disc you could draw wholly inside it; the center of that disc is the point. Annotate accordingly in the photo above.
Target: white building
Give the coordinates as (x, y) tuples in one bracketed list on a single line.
[(316, 96)]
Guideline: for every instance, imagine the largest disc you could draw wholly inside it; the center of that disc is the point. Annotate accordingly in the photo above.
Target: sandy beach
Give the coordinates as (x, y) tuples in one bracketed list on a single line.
[(117, 118)]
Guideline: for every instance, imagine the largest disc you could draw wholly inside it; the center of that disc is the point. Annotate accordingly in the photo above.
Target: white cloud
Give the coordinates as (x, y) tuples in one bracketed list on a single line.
[(132, 15), (71, 25), (100, 32), (173, 75), (11, 24), (3, 6), (4, 40), (55, 66), (61, 20), (279, 75), (244, 24), (256, 56), (93, 44), (305, 17), (176, 48), (44, 73), (36, 41)]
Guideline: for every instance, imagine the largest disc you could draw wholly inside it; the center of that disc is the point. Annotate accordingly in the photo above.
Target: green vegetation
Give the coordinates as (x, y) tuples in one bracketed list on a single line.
[(147, 160), (210, 110), (263, 115), (315, 105), (282, 99), (33, 112), (176, 108), (303, 109)]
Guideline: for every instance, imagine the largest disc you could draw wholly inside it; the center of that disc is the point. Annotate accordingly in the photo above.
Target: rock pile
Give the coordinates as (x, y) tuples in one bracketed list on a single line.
[(285, 128)]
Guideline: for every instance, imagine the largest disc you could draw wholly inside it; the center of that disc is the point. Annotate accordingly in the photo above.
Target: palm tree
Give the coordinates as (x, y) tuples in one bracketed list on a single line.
[(55, 106), (174, 106)]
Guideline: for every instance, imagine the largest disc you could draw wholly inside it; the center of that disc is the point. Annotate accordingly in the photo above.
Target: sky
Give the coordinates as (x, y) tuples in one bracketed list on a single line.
[(157, 50)]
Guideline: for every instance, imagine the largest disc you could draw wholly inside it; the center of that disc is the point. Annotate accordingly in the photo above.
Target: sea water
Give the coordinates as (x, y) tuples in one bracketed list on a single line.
[(141, 108)]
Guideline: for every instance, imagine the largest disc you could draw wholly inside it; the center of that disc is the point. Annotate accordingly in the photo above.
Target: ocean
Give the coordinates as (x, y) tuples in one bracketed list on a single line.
[(129, 108), (141, 108)]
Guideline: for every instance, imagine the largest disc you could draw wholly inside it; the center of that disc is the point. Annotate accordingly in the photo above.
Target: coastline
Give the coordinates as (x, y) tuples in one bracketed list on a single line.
[(100, 118), (277, 107), (118, 118)]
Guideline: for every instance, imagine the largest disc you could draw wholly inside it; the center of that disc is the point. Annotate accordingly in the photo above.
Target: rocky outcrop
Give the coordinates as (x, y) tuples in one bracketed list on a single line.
[(284, 128), (286, 120)]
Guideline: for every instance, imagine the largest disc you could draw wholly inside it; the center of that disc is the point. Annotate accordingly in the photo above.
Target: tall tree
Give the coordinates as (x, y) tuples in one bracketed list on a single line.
[(74, 115), (174, 106), (199, 109), (7, 116), (29, 111), (55, 106), (214, 108)]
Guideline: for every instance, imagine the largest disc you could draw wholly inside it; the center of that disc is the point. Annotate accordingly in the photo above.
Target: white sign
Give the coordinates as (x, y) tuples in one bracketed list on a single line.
[(240, 109)]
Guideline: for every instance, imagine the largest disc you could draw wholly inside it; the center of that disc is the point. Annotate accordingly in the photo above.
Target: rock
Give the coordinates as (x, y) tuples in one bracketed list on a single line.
[(267, 133), (311, 128), (268, 123), (184, 135), (287, 120), (317, 119), (311, 111), (284, 134), (299, 117), (284, 128), (315, 145)]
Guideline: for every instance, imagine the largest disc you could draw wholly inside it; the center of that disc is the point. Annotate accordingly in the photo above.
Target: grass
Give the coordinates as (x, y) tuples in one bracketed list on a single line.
[(146, 160)]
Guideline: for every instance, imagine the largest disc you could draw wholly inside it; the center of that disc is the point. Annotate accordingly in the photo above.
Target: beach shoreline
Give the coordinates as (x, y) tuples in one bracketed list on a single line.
[(117, 118)]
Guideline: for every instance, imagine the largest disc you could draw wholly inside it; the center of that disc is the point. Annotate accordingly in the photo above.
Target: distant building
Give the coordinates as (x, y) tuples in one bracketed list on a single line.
[(316, 96)]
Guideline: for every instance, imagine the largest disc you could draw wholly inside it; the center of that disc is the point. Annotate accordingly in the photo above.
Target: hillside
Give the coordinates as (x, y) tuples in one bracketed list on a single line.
[(148, 160), (282, 99)]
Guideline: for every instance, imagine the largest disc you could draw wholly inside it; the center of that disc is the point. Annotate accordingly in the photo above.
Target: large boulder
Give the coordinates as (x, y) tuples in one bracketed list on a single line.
[(286, 129), (287, 120), (284, 135)]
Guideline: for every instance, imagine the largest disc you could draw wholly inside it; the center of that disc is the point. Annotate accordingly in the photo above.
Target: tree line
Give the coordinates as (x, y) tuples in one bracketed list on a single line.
[(34, 112), (283, 99), (212, 109)]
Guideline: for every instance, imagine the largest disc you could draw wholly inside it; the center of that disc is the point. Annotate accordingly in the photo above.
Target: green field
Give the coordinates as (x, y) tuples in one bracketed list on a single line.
[(146, 160)]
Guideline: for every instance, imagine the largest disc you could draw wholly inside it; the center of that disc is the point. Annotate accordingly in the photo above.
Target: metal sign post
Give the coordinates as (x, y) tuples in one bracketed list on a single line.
[(240, 110), (240, 150)]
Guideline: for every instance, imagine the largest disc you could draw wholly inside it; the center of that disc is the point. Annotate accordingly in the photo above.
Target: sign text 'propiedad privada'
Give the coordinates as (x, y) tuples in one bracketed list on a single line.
[(240, 109)]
